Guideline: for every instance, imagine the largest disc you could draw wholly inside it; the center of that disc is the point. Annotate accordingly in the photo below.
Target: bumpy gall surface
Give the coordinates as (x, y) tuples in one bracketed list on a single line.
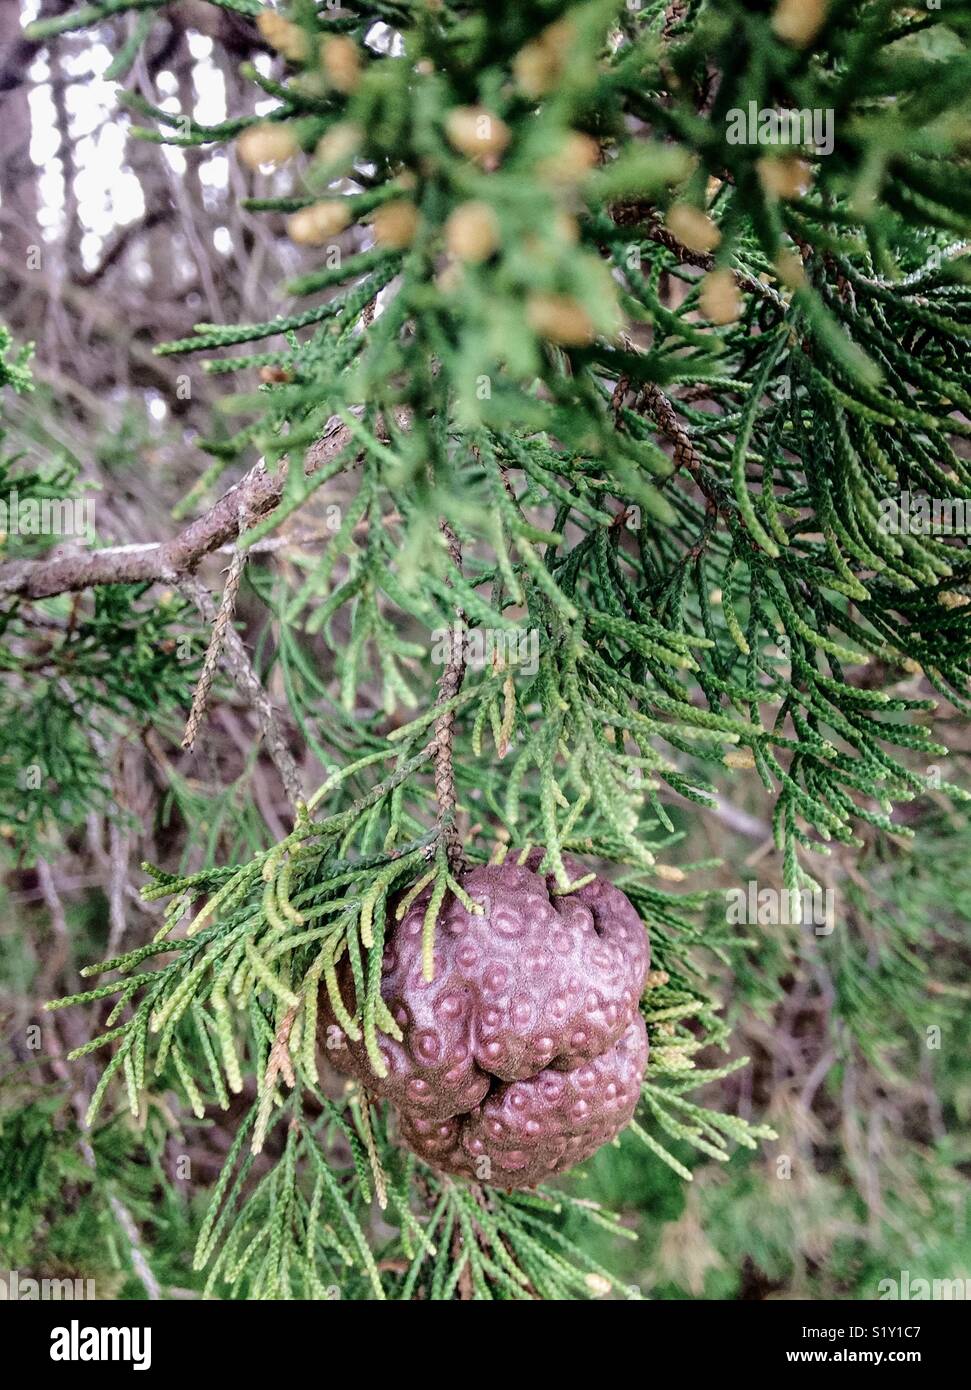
[(526, 1051)]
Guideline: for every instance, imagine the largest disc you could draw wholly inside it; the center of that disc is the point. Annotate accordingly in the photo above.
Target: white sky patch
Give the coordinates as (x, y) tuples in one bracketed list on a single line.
[(44, 145), (109, 195), (213, 176), (199, 45), (383, 39), (210, 89), (44, 139)]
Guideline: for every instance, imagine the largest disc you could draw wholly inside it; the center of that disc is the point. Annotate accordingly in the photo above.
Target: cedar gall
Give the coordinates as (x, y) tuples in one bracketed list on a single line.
[(494, 539), (472, 233), (525, 1052), (314, 226), (476, 132)]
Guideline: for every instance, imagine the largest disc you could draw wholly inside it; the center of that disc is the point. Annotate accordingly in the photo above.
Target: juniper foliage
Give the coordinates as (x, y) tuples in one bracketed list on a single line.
[(599, 373)]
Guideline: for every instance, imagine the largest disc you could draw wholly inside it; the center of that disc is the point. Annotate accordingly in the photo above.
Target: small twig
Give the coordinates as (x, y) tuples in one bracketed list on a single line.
[(685, 453), (686, 456), (256, 495), (280, 1062), (221, 624), (237, 662), (448, 687), (119, 844), (645, 219), (465, 1289), (673, 16)]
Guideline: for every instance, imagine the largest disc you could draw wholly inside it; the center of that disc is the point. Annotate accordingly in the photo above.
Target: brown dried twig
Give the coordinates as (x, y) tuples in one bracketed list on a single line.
[(254, 496), (221, 623), (663, 412), (237, 662), (448, 687)]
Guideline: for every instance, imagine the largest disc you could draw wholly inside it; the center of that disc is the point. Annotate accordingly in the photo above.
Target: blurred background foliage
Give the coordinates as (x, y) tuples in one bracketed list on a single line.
[(859, 1040)]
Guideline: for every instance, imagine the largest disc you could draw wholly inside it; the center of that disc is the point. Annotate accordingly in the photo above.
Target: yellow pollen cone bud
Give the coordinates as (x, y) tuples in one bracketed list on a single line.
[(560, 318), (670, 872), (785, 178), (577, 155), (692, 227), (340, 144), (315, 225), (720, 300), (288, 39), (341, 61), (799, 21), (476, 132), (472, 232), (395, 224), (266, 143)]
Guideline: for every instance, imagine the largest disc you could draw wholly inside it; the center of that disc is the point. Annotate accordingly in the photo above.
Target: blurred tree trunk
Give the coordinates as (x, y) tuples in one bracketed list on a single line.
[(19, 231)]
